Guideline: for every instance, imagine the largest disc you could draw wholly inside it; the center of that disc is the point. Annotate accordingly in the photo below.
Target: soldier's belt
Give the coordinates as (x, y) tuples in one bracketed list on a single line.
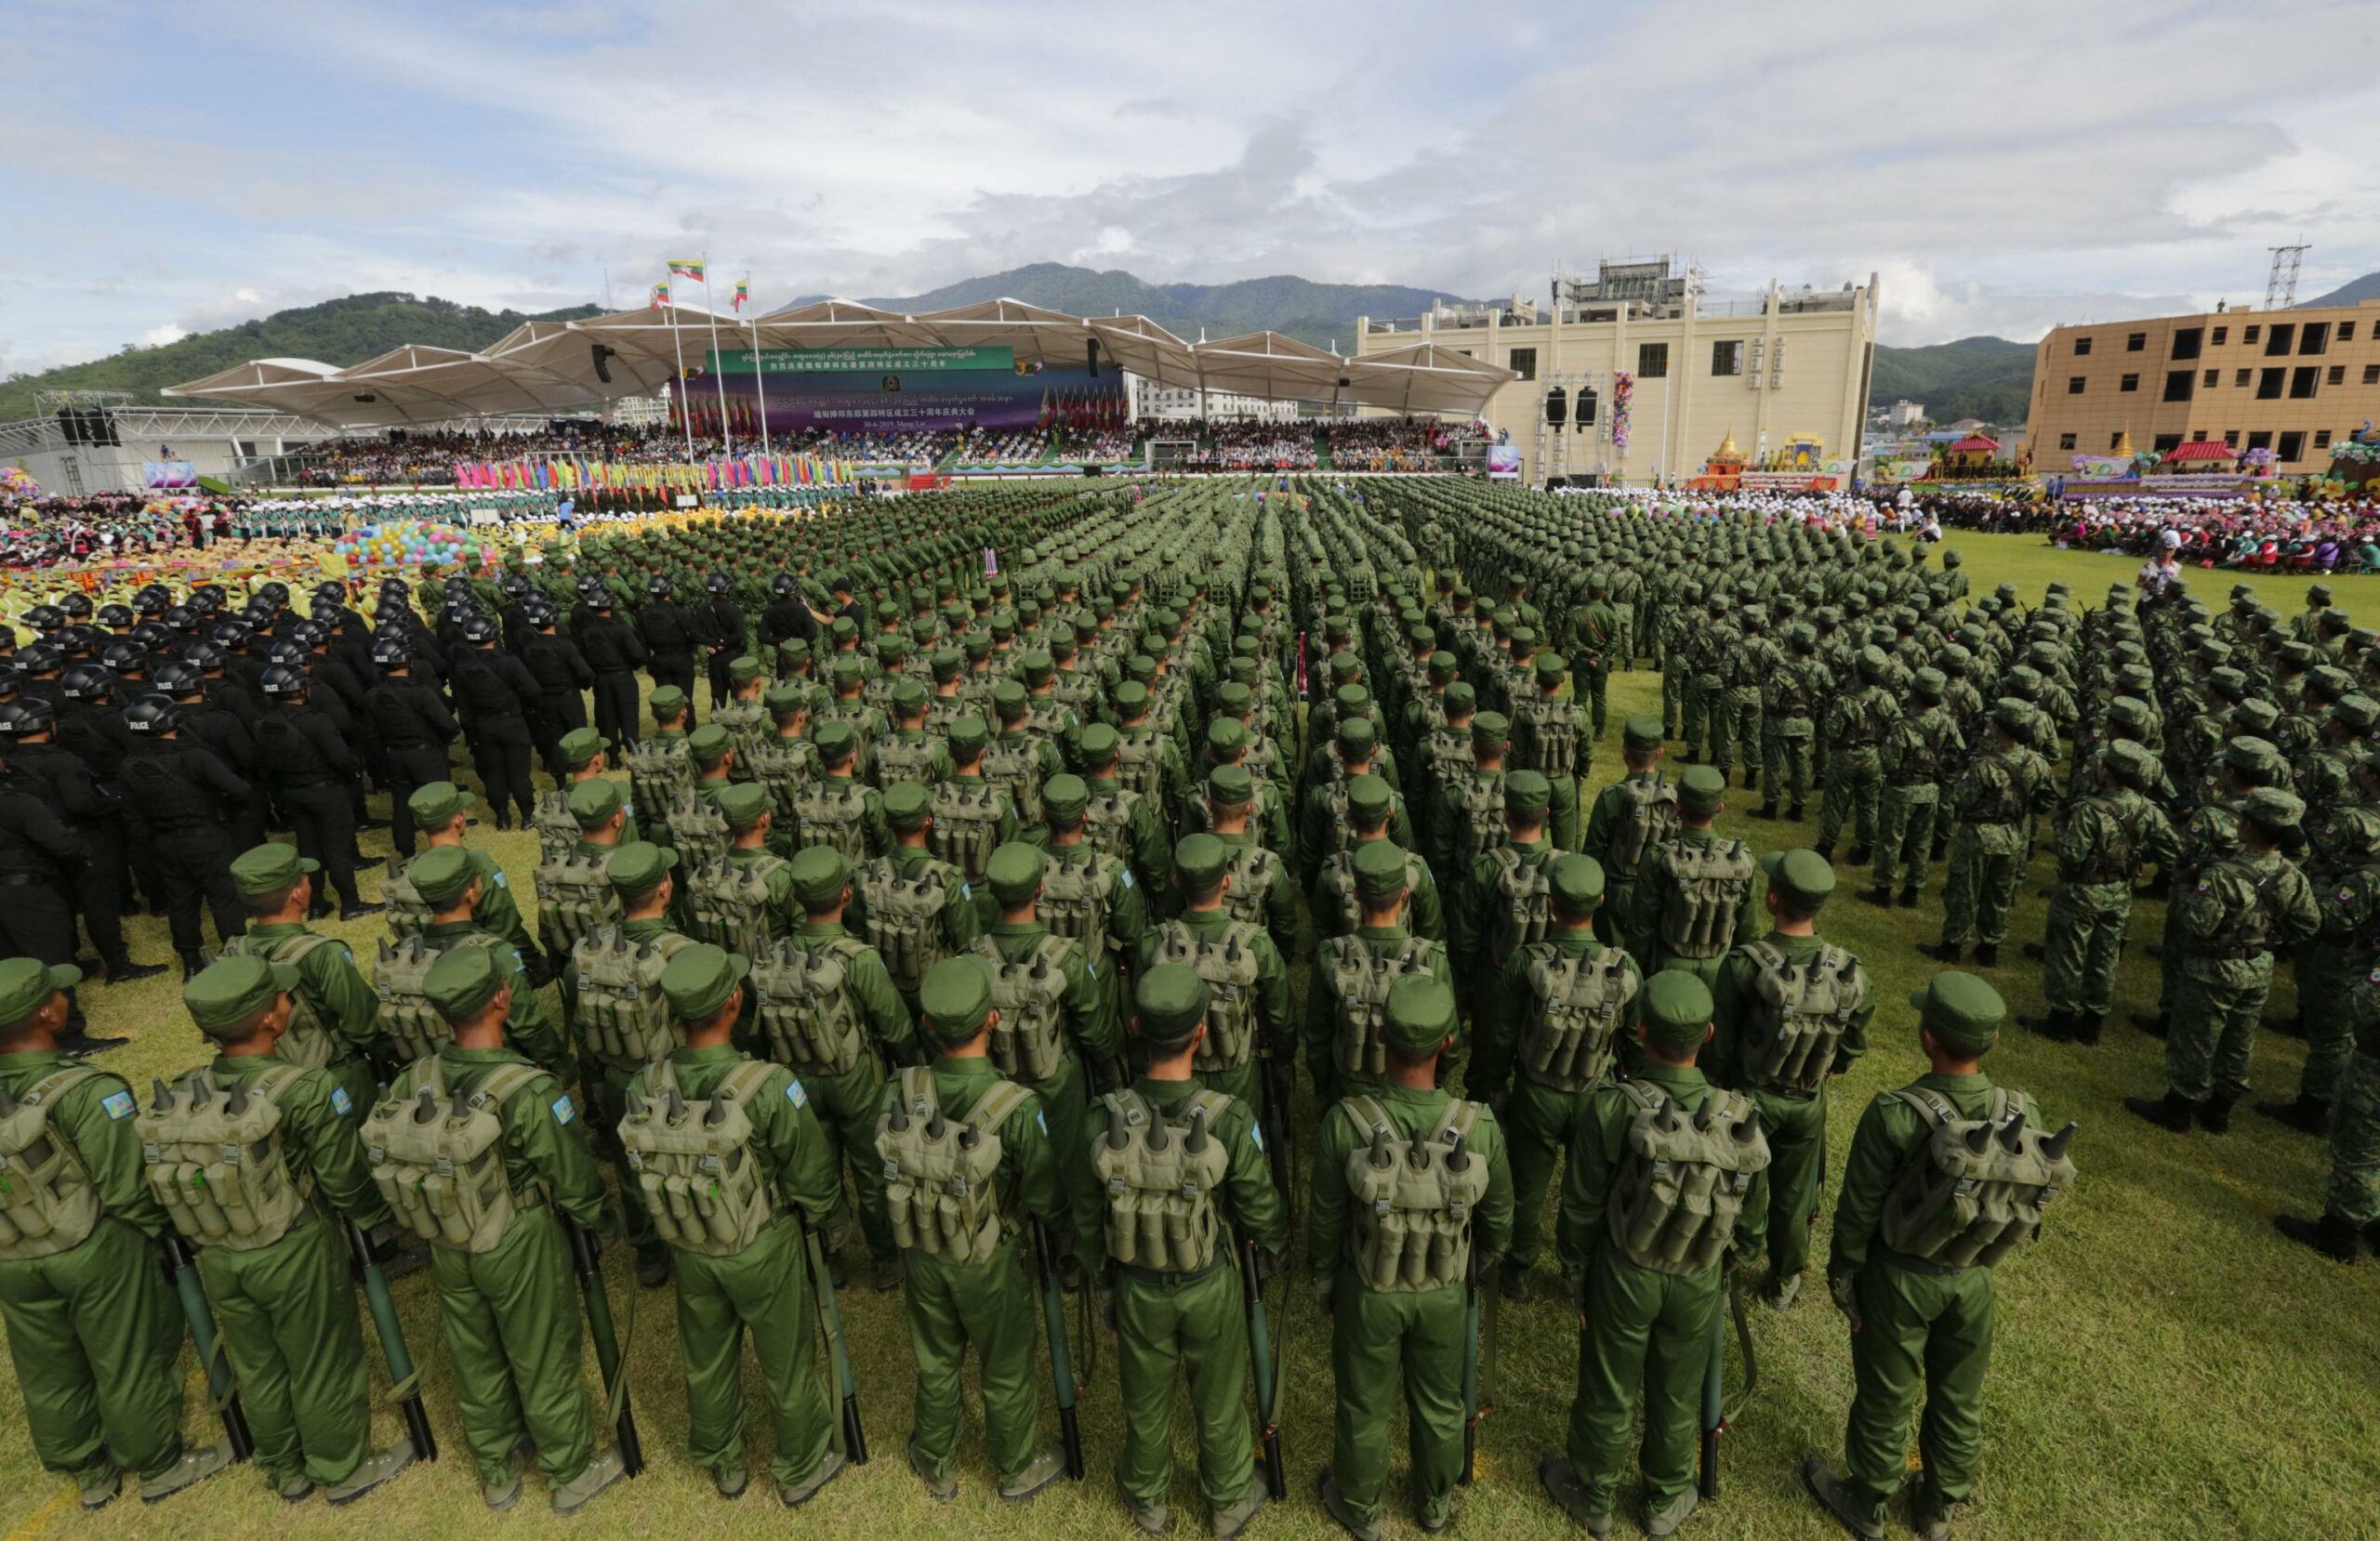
[(1158, 1279)]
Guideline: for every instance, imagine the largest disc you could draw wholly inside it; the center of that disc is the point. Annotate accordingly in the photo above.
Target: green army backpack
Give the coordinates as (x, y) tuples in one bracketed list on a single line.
[(1976, 1191), (746, 725), (1140, 761), (1545, 735), (1525, 891), (661, 772), (1479, 821), (905, 917), (698, 829), (1228, 964), (833, 814), (693, 1162), (47, 1202), (1337, 887), (574, 899), (727, 904), (1047, 720), (785, 767), (623, 1016), (1107, 822), (1647, 816), (1413, 1199), (1160, 1175), (1705, 889), (903, 758), (1252, 870), (941, 1180), (1574, 1010), (803, 998), (1683, 1178), (414, 1026), (1077, 898), (437, 1159), (408, 913), (966, 826), (1803, 1011), (557, 829), (1030, 1039), (214, 1161), (306, 1042), (1010, 765), (1360, 979)]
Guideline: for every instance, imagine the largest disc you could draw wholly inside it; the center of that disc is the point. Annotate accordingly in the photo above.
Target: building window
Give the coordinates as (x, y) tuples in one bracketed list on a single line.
[(2346, 331), (1652, 360), (2302, 381), (2292, 445), (2082, 348), (2269, 383), (2278, 337), (2231, 438), (2134, 341), (2186, 342), (2239, 377), (1727, 358), (2211, 376), (2222, 333), (2130, 382), (2372, 374), (2335, 375), (2115, 440), (2166, 443), (1522, 361), (2074, 385), (2260, 439), (2198, 436), (2066, 441), (2248, 333), (2177, 384), (2313, 338), (2321, 439)]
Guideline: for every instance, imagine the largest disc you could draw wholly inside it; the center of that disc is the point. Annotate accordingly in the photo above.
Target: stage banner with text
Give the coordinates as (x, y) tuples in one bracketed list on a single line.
[(907, 390)]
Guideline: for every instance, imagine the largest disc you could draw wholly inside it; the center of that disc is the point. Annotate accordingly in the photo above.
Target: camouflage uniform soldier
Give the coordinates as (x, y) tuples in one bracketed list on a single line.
[(1995, 800), (1631, 816), (1790, 703), (1920, 747), (2345, 871), (2349, 1224), (1855, 769), (2102, 840)]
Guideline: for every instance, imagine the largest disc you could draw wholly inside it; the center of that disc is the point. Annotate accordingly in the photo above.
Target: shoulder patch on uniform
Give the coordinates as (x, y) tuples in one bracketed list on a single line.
[(1089, 966), (340, 1101), (2204, 886), (966, 890), (1127, 877), (118, 1104), (350, 952), (563, 1112), (501, 881), (795, 1094), (1038, 1117), (1256, 1133)]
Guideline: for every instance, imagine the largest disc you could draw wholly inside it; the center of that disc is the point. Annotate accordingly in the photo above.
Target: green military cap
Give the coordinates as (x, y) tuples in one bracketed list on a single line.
[(230, 990), (2247, 752), (1037, 666), (462, 980), (1575, 884), (1461, 697), (976, 645), (947, 662), (1443, 664), (1009, 700), (708, 743), (908, 695), (1369, 798), (639, 867), (835, 740), (784, 701), (668, 698), (892, 649), (1676, 1011), (2014, 717), (1700, 790), (26, 985), (1420, 1014), (1961, 1010), (1096, 745), (743, 803), (436, 803), (1234, 697), (1550, 666), (1168, 1001), (1380, 869), (2257, 716), (1230, 785), (269, 867), (904, 805), (848, 670), (593, 802), (2318, 593), (440, 874), (1527, 792), (820, 874), (2358, 711), (2329, 679), (1200, 860), (2133, 764), (1801, 878), (967, 735), (2225, 680), (743, 670), (1065, 797), (581, 745), (1014, 871), (1355, 735), (1225, 736), (1641, 733), (1929, 684), (1130, 696), (2273, 808), (1872, 661), (1490, 728)]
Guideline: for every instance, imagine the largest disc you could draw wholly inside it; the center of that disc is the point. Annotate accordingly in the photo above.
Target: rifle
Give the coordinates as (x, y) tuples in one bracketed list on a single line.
[(402, 1374), (1716, 1420), (1260, 1351), (589, 1266), (1471, 1408), (192, 1292), (830, 1318), (1062, 1370)]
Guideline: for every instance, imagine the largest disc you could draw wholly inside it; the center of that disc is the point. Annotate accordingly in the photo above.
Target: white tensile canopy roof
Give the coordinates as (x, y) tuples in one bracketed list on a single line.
[(545, 366)]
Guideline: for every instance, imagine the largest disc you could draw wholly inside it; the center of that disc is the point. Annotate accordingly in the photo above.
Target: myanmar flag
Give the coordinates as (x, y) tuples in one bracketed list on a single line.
[(660, 294), (681, 268)]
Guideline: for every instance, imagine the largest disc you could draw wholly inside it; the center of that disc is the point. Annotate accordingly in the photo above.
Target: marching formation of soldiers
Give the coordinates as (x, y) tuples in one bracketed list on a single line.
[(940, 901)]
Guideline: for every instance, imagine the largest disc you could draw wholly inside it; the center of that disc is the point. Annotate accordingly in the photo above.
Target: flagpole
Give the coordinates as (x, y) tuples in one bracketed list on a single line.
[(719, 375), (759, 379), (686, 414)]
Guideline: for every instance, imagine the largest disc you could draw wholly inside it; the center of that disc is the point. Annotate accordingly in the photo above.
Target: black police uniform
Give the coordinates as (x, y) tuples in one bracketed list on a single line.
[(312, 766), (721, 620), (614, 654), (668, 632), (66, 785), (414, 728), (498, 698), (37, 856), (180, 800), (562, 673)]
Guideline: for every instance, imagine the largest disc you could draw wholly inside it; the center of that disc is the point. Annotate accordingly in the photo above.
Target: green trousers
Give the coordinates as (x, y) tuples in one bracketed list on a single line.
[(1562, 814), (1708, 720), (1904, 836), (1920, 1335), (2354, 1190), (1196, 1329), (606, 1086), (2087, 924), (1539, 1124), (847, 1107), (1593, 688), (1648, 1332), (1854, 790), (1981, 885), (1675, 686), (2324, 972), (1785, 755), (1065, 1105), (511, 1317), (990, 1304), (1379, 1341), (1796, 1131), (1617, 895), (764, 1292), (95, 1335), (288, 1318), (2217, 1003), (1740, 712)]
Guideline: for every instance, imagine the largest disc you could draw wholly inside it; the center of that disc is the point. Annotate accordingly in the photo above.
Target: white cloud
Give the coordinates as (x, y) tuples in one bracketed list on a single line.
[(157, 336)]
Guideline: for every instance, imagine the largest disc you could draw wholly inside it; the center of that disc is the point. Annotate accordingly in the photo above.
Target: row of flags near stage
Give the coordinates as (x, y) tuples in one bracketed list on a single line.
[(697, 268), (597, 476)]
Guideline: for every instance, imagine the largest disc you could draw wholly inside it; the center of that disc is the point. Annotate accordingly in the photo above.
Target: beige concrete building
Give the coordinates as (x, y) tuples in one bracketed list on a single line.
[(2290, 381), (1789, 368)]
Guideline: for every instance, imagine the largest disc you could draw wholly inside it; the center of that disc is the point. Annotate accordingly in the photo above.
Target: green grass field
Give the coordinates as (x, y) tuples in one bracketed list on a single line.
[(2166, 1364)]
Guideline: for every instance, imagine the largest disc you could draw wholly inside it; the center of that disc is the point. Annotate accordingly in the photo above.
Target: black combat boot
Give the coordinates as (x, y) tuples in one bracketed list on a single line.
[(2154, 1023), (2309, 1114), (2292, 1026), (2036, 952), (1826, 851), (1860, 855), (2172, 1111), (2086, 1026), (192, 964), (1795, 813), (1752, 778), (1942, 951), (1909, 898), (1880, 896), (2215, 1114), (1766, 810), (1987, 955), (123, 970), (2055, 1026), (2333, 1235)]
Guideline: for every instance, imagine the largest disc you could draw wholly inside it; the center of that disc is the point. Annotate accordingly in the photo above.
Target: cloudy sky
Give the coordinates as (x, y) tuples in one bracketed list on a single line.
[(168, 168)]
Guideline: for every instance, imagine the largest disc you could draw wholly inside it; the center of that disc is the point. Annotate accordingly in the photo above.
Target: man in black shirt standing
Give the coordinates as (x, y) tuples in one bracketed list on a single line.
[(669, 634), (312, 767), (414, 728), (614, 654), (178, 802)]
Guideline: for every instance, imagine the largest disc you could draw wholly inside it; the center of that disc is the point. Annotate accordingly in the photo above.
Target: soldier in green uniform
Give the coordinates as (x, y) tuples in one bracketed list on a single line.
[(1550, 738), (1087, 895), (2344, 868), (1391, 1258), (1249, 1021), (334, 1021), (965, 1272), (1347, 991), (1655, 1267), (1372, 803), (2350, 1223), (1919, 749), (1994, 801), (497, 1248), (1502, 903), (1130, 820), (92, 1329), (2243, 908), (2103, 839), (1549, 1025), (1915, 1281), (440, 814), (1792, 1011), (1793, 699), (838, 809), (1630, 817), (1695, 894), (1854, 732), (708, 1109), (919, 910), (280, 1289), (1470, 816), (1598, 641), (1177, 1309)]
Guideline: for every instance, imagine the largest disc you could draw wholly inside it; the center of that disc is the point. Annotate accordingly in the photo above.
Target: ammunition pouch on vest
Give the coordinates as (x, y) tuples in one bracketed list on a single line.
[(1683, 1179), (1360, 979), (1706, 890), (835, 815), (1803, 1011), (1410, 1221), (661, 772), (905, 917), (941, 1180), (1160, 1177), (437, 1159), (1976, 1191), (966, 826), (1647, 817), (1077, 898), (214, 1161), (802, 993), (414, 1026), (47, 1205), (1525, 889), (698, 829), (727, 904), (1029, 1040), (306, 1042), (1574, 1012), (1228, 964), (704, 1185), (785, 767), (556, 828), (574, 899), (623, 1016)]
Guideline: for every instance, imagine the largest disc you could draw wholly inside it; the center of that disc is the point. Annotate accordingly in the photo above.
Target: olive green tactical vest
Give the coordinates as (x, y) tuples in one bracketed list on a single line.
[(1647, 817), (786, 767), (1574, 1014), (661, 772), (574, 897), (901, 758), (728, 905), (306, 1042), (1525, 889), (1108, 822), (409, 915), (1253, 870), (826, 814), (1077, 898), (1545, 735), (698, 829), (1705, 891), (556, 827), (1360, 979), (1012, 765), (1976, 1191), (905, 917), (623, 1016), (941, 1180), (1413, 1200), (1683, 1179), (415, 1027), (437, 1159), (1160, 1177), (804, 1000), (1803, 1011), (47, 1202), (1029, 1040), (1479, 824), (966, 826), (1228, 964), (704, 1185), (746, 725), (216, 1163)]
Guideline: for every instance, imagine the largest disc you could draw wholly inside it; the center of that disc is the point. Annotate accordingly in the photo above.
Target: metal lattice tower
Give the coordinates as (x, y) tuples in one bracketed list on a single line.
[(2281, 288)]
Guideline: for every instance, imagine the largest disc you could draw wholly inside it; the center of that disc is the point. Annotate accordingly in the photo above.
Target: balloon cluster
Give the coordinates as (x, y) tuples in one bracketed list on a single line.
[(408, 543)]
